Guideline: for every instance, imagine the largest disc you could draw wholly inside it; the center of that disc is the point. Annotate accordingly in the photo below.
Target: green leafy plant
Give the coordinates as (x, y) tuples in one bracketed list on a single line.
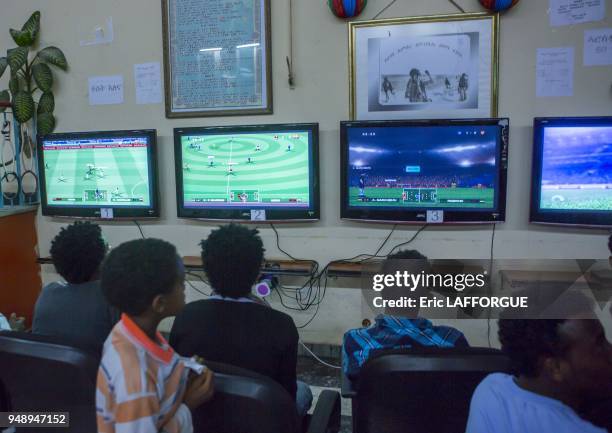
[(31, 76)]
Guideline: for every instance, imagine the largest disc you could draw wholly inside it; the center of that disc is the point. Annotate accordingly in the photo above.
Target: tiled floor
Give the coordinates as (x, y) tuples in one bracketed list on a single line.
[(321, 377)]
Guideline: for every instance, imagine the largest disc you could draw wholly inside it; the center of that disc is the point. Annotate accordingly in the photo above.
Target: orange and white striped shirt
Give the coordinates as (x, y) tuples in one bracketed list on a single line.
[(140, 384)]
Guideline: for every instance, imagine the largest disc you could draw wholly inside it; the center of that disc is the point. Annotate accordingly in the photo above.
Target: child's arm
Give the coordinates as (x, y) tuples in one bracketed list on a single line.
[(124, 405), (200, 389)]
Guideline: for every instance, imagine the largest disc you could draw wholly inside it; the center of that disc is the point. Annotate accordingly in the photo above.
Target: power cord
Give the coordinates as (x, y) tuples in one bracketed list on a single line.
[(338, 367), (278, 244), (490, 284), (313, 291), (194, 287), (140, 229), (423, 227)]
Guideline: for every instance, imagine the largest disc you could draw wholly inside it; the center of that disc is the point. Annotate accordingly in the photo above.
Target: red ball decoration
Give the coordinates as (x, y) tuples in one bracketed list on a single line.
[(498, 5), (347, 8)]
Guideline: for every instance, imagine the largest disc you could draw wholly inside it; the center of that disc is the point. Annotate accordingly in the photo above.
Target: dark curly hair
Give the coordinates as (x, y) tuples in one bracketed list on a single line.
[(393, 263), (526, 341), (232, 257), (137, 271), (77, 251)]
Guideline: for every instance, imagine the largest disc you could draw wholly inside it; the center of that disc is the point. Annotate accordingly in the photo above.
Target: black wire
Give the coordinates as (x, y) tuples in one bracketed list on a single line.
[(278, 244), (385, 241), (313, 291), (139, 228), (311, 319), (200, 278), (490, 284), (409, 240), (196, 289)]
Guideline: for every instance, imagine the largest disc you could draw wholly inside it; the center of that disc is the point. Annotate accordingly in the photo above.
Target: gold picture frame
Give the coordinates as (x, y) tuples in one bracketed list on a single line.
[(217, 62), (442, 66)]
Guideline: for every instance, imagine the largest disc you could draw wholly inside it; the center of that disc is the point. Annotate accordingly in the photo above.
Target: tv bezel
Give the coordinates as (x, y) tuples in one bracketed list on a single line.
[(558, 217), (244, 214), (91, 212), (419, 215)]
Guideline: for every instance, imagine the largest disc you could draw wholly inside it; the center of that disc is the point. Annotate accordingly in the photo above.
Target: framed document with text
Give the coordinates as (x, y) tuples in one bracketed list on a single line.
[(217, 57), (430, 67)]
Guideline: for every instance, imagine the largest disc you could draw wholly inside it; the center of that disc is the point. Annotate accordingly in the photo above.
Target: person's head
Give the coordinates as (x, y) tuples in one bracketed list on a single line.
[(413, 262), (144, 277), (77, 252), (232, 256), (414, 72), (570, 356)]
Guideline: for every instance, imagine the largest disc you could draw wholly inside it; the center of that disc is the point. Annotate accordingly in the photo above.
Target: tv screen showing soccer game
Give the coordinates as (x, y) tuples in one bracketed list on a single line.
[(405, 171), (107, 174), (572, 171), (259, 172)]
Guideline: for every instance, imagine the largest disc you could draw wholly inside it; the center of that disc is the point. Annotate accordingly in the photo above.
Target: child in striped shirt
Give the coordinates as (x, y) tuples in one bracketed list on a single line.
[(143, 386)]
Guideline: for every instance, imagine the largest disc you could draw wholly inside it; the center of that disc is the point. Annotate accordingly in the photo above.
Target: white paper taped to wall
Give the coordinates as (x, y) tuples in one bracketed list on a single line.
[(100, 35), (106, 90), (569, 12)]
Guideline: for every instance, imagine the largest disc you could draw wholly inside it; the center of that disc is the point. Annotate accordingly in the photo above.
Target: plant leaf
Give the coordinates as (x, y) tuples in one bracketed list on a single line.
[(43, 76), (23, 106), (5, 96), (32, 25), (55, 56), (22, 38), (3, 65), (46, 103), (45, 123), (14, 85), (17, 57)]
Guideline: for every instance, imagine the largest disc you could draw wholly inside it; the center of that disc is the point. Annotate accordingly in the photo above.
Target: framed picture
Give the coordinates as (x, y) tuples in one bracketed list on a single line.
[(430, 67), (217, 57)]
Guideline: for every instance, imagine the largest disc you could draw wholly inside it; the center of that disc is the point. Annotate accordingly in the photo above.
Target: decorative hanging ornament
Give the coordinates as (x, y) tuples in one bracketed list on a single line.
[(347, 8), (498, 5)]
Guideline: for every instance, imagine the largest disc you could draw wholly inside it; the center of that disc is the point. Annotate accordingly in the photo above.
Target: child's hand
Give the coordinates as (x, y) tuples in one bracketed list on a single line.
[(200, 389), (17, 323)]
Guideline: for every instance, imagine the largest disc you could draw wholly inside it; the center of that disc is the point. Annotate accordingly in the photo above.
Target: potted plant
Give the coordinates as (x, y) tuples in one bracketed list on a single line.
[(31, 77)]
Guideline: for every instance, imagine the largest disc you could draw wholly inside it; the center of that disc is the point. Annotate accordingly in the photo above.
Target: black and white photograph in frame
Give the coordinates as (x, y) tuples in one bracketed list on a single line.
[(431, 67)]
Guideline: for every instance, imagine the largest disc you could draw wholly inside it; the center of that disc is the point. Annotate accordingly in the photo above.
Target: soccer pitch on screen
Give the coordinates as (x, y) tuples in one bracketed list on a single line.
[(584, 198), (267, 169), (97, 177), (456, 198)]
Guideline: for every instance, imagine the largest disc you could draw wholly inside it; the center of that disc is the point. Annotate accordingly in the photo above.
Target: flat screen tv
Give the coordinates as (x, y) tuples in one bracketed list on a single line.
[(418, 171), (257, 173), (572, 171), (103, 174)]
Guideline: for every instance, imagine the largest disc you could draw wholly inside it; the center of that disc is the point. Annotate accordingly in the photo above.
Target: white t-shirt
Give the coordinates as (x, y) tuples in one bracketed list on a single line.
[(499, 405), (4, 324)]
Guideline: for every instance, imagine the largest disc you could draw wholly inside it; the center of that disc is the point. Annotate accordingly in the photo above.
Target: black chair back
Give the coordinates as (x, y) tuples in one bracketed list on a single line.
[(40, 374), (421, 390), (246, 402)]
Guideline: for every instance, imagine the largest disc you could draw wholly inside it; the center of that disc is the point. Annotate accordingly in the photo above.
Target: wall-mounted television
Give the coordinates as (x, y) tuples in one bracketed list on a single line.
[(397, 171), (103, 174), (572, 171), (256, 172)]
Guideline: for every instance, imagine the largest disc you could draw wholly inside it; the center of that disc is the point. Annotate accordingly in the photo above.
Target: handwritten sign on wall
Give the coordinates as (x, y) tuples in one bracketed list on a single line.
[(598, 47), (106, 90)]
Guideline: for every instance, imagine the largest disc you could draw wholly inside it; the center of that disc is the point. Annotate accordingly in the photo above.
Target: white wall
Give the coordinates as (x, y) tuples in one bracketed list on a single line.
[(321, 95)]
